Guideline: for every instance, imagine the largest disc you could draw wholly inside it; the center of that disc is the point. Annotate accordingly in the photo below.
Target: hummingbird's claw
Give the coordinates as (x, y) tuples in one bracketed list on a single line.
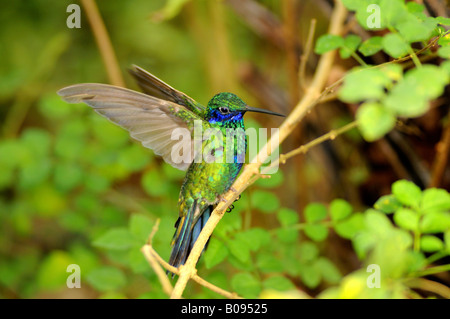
[(222, 199)]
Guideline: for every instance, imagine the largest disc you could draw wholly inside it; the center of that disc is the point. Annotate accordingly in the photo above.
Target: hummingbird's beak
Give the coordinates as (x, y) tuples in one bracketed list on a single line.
[(254, 109)]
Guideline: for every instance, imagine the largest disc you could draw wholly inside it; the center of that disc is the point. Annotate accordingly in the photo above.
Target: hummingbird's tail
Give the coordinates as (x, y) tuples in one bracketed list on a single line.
[(186, 234)]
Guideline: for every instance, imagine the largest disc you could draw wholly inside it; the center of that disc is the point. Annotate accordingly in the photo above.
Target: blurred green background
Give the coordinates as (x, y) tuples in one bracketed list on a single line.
[(76, 189)]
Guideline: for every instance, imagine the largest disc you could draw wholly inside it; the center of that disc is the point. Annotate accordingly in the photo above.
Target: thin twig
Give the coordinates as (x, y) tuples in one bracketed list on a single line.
[(146, 250), (188, 271), (165, 283), (429, 285), (155, 261), (103, 42), (441, 159), (331, 135), (306, 53)]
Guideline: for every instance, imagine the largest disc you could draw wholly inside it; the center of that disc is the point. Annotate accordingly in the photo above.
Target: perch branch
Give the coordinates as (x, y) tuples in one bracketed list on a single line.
[(309, 100), (155, 261)]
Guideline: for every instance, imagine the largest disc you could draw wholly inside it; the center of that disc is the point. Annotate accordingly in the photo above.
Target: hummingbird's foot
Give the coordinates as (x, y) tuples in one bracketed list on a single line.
[(230, 208), (238, 198), (233, 189), (222, 199)]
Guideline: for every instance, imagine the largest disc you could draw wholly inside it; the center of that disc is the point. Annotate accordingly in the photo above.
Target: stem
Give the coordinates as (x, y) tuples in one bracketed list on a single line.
[(331, 135), (431, 271), (429, 285), (103, 42), (306, 53), (358, 59)]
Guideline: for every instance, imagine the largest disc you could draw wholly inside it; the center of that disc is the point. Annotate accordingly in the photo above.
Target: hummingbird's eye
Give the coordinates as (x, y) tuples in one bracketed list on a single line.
[(224, 110)]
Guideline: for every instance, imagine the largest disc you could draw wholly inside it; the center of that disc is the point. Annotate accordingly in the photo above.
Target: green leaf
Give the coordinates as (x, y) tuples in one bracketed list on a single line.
[(443, 20), (140, 227), (435, 199), (395, 45), (353, 4), (414, 30), (255, 238), (414, 7), (279, 283), (428, 81), (407, 219), (215, 254), (327, 43), (363, 84), (447, 240), (287, 217), (374, 120), (349, 227), (387, 204), (328, 270), (349, 46), (393, 71), (407, 193), (137, 261), (246, 285), (106, 278), (316, 232), (134, 158), (52, 273), (371, 46), (154, 184), (116, 239), (435, 222), (340, 209), (377, 222), (308, 251), (67, 176), (444, 52), (239, 249), (430, 244), (310, 275), (315, 212), (446, 67), (287, 235), (266, 202), (268, 262), (404, 101), (363, 242)]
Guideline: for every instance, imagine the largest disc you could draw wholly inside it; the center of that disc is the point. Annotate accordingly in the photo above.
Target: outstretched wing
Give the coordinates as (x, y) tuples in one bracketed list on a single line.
[(148, 119), (153, 86)]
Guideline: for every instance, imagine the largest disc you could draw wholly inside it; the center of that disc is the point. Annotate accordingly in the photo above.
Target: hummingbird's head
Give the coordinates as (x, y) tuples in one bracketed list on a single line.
[(225, 107)]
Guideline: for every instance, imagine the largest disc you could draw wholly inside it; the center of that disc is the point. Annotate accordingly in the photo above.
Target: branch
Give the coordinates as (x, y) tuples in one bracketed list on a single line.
[(155, 261), (309, 100), (147, 251), (331, 135), (306, 53), (441, 159), (103, 42)]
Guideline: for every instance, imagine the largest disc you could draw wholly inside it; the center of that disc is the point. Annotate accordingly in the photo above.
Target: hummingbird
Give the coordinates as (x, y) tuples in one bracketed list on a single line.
[(151, 117)]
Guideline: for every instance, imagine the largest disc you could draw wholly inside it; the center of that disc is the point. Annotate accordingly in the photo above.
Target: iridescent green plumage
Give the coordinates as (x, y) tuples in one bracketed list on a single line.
[(152, 119)]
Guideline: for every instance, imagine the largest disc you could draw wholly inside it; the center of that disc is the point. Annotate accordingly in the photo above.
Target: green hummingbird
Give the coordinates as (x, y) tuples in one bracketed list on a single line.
[(151, 117)]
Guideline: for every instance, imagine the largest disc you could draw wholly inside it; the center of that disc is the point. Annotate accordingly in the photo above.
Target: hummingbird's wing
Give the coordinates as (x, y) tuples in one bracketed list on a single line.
[(151, 85), (148, 119)]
